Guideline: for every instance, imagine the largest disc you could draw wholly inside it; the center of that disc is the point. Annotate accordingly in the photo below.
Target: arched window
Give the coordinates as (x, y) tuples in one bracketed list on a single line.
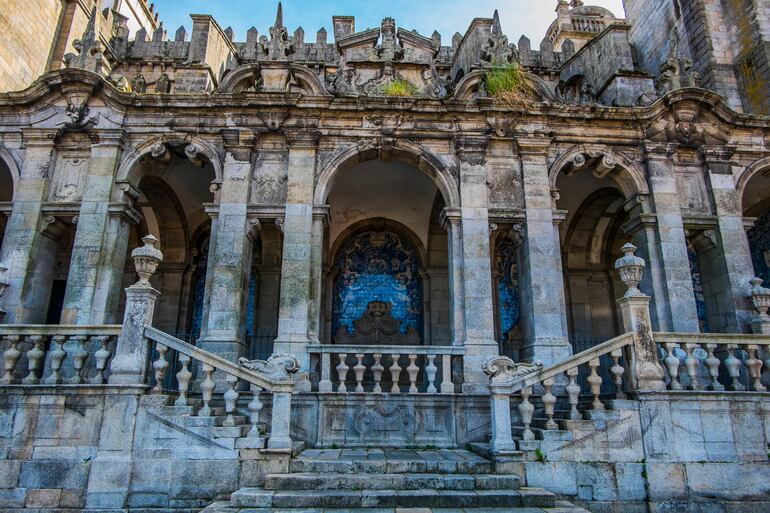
[(377, 266)]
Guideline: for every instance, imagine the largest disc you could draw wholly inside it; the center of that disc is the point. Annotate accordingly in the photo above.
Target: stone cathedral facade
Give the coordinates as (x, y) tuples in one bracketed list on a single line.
[(375, 269)]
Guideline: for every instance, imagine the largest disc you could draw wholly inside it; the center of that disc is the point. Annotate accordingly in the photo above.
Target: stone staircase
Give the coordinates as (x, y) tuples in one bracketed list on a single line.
[(391, 481)]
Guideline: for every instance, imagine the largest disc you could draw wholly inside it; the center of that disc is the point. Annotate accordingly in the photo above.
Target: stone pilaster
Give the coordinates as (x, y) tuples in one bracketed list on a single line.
[(451, 222), (26, 300), (544, 313), (320, 221), (229, 264), (100, 245), (733, 251), (294, 322), (677, 310), (479, 332)]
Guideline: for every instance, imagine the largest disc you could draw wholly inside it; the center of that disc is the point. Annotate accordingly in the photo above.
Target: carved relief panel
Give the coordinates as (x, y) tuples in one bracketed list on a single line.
[(504, 183), (270, 177), (69, 176), (692, 190)]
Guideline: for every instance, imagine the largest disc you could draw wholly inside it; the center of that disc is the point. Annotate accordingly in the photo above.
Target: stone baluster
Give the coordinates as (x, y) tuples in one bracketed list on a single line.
[(573, 392), (255, 408), (231, 398), (617, 372), (10, 358), (159, 366), (733, 366), (672, 364), (412, 371), (526, 410), (57, 358), (377, 370), (207, 387), (395, 374), (325, 385), (692, 364), (549, 402), (183, 378), (101, 357), (79, 356), (430, 372), (712, 363), (34, 357), (342, 372), (595, 382), (358, 369), (447, 387), (754, 365)]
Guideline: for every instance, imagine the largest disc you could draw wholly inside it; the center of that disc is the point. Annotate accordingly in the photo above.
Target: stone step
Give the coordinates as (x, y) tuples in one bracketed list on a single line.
[(554, 435), (523, 497), (391, 482), (559, 507), (315, 466)]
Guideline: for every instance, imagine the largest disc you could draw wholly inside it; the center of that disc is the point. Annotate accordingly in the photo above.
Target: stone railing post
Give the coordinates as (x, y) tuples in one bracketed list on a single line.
[(760, 298), (131, 354), (644, 369), (280, 425)]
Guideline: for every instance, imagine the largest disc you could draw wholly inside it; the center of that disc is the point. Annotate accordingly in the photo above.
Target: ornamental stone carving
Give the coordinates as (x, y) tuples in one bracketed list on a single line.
[(502, 369), (146, 259), (279, 367), (630, 268), (760, 298)]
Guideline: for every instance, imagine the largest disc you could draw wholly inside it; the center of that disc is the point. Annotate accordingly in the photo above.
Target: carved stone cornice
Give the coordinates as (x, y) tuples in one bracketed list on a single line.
[(659, 150), (39, 137), (471, 149), (717, 154), (533, 144), (302, 139)]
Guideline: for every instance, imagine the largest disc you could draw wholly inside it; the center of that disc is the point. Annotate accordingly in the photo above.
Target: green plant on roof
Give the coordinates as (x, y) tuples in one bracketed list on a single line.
[(506, 85), (399, 89)]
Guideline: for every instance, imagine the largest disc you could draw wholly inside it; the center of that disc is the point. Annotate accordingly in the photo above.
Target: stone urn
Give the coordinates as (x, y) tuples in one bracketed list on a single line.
[(760, 297), (630, 268), (146, 259)]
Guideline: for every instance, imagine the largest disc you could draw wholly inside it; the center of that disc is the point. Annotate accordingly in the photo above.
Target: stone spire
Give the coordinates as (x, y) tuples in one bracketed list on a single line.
[(90, 50), (280, 45), (497, 29), (279, 16)]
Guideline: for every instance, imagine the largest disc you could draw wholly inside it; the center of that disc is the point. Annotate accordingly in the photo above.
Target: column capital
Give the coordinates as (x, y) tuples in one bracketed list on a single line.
[(322, 213), (471, 149), (533, 144), (451, 216), (717, 158), (125, 212), (38, 137), (658, 150), (241, 144), (302, 139), (110, 137)]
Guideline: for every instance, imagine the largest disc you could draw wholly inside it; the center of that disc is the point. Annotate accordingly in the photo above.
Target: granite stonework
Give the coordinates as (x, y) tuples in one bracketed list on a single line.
[(361, 244)]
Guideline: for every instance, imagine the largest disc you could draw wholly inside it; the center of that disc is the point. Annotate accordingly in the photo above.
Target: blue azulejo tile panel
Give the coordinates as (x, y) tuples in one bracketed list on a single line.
[(697, 287), (759, 242), (508, 287), (377, 266)]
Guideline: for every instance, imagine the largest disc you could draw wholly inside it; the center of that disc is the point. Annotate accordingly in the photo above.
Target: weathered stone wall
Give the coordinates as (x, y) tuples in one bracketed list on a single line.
[(26, 31), (680, 451)]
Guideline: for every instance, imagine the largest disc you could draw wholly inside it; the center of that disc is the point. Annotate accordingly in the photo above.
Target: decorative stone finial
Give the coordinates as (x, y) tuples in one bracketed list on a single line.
[(760, 297), (630, 268), (146, 259)]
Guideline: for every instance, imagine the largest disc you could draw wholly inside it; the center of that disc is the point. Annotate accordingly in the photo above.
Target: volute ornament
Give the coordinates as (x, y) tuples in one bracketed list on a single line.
[(279, 367), (502, 369), (630, 268)]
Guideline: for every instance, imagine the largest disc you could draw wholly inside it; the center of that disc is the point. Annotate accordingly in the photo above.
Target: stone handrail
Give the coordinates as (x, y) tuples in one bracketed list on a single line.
[(702, 355), (36, 354), (272, 376), (353, 362)]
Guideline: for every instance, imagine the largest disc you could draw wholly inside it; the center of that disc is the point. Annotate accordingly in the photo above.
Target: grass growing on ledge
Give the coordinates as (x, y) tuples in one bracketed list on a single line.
[(506, 85), (399, 89)]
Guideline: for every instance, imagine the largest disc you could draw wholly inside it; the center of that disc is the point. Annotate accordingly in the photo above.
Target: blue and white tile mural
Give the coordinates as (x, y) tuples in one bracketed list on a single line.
[(198, 291), (377, 266), (507, 287), (759, 242), (697, 287)]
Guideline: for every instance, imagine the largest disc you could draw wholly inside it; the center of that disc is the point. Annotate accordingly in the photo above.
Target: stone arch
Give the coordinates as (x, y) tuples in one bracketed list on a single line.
[(410, 153), (380, 224), (307, 81), (588, 242), (743, 178), (627, 174), (130, 171), (468, 86)]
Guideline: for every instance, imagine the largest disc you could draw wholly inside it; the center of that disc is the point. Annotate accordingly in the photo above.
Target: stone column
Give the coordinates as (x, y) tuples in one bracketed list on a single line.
[(645, 371), (101, 239), (733, 251), (293, 316), (543, 307), (451, 222), (129, 366), (679, 302), (320, 221), (229, 263), (479, 332), (26, 301)]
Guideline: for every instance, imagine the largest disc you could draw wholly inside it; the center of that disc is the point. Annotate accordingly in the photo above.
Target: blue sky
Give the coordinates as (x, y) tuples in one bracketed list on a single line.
[(529, 17)]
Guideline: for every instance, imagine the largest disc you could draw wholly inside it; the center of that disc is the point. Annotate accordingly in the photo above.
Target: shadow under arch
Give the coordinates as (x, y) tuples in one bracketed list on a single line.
[(411, 154)]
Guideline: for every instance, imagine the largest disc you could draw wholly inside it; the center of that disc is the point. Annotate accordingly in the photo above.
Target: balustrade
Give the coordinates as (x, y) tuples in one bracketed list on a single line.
[(405, 369), (717, 362), (56, 355)]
